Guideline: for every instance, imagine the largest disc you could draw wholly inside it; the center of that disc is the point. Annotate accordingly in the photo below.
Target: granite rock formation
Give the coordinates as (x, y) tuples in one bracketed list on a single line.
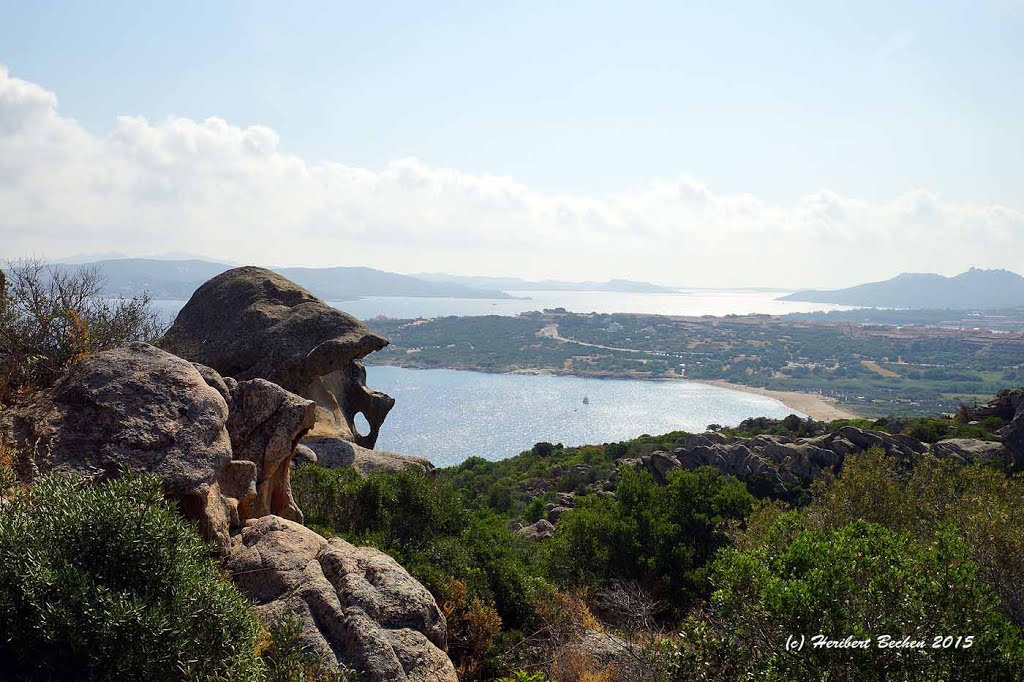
[(265, 423), (540, 530), (221, 448), (1008, 406), (335, 453), (782, 463), (250, 323), (358, 607), (131, 408)]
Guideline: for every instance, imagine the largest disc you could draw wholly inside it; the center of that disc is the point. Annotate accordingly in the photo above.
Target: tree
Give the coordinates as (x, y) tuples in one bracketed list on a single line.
[(51, 317)]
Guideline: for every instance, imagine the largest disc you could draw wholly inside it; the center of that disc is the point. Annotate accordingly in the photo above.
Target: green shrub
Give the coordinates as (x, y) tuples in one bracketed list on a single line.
[(425, 525), (980, 503), (860, 580), (287, 661), (108, 582), (660, 536)]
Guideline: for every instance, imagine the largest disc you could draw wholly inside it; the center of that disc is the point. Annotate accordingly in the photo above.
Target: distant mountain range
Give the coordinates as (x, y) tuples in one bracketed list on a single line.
[(517, 284), (177, 279), (974, 289)]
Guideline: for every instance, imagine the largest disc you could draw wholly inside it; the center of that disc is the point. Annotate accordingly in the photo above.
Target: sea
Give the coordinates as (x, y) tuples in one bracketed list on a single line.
[(448, 416)]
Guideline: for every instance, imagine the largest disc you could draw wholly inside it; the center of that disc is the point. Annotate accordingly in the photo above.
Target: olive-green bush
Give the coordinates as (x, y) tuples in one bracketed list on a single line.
[(109, 582)]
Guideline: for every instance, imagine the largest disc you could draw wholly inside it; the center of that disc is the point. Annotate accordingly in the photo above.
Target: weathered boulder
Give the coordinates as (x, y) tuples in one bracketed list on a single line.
[(222, 448), (336, 453), (556, 513), (661, 463), (304, 455), (358, 607), (265, 422), (541, 530), (137, 408), (250, 323), (1013, 433), (970, 450)]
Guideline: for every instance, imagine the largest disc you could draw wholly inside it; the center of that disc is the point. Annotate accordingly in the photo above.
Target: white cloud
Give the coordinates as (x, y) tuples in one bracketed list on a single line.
[(230, 193)]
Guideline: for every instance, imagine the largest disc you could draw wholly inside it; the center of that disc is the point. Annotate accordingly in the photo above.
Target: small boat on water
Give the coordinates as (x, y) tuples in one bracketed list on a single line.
[(586, 400)]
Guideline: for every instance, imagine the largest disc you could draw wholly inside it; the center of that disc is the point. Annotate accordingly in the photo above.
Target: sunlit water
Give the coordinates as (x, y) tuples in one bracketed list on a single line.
[(447, 415)]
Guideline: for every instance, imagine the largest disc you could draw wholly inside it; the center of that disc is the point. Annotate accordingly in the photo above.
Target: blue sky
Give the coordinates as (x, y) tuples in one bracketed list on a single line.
[(872, 101)]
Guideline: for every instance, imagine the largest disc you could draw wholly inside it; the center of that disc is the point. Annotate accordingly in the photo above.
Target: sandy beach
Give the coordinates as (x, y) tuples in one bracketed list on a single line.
[(815, 406)]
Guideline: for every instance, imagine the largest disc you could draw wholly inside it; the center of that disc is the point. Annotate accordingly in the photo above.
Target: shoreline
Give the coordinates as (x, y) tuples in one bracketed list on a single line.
[(815, 406)]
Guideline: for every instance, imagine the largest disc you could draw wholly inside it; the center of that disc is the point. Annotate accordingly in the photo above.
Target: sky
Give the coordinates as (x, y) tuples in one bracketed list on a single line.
[(783, 144)]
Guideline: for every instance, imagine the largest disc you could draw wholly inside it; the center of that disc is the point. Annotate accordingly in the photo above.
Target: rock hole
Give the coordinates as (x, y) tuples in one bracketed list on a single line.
[(362, 425)]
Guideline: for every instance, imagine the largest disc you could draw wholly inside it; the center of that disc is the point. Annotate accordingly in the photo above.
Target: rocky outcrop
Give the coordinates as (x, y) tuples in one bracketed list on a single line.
[(971, 450), (135, 408), (1009, 406), (221, 448), (250, 323), (265, 423), (541, 530), (779, 464), (335, 453), (358, 607)]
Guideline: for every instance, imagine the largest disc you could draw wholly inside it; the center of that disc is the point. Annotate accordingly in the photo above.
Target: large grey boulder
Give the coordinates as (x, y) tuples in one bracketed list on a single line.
[(221, 448), (541, 530), (969, 450), (250, 323), (358, 606), (335, 453), (1008, 406), (136, 408), (141, 409)]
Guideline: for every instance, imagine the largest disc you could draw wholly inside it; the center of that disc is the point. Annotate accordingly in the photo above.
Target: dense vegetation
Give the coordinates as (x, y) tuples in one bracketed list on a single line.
[(521, 486), (876, 370), (934, 553), (110, 582), (696, 578)]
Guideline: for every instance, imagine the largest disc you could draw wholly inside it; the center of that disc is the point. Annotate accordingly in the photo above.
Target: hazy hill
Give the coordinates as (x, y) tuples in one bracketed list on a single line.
[(974, 289), (517, 284), (177, 279)]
